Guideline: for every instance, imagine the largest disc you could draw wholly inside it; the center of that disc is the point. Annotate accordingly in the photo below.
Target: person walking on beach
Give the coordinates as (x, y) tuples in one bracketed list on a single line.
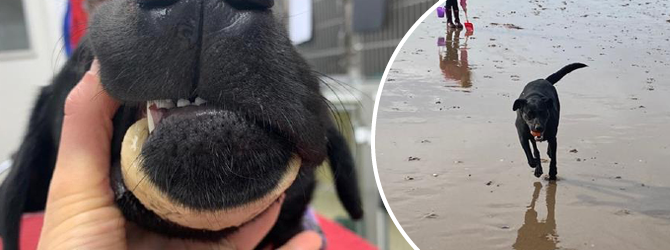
[(451, 7)]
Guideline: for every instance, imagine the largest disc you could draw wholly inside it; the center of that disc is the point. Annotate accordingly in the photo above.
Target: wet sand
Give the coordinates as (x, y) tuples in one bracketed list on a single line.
[(447, 151)]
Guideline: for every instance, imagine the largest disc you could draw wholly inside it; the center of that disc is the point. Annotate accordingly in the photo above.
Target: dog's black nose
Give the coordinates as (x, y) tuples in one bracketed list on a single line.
[(539, 128), (251, 4)]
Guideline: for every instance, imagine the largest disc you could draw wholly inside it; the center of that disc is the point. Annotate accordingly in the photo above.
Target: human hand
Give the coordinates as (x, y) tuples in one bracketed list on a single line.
[(464, 6), (80, 211)]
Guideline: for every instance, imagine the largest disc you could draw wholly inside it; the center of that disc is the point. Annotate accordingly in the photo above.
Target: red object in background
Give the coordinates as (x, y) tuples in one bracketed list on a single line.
[(78, 22), (338, 237), (469, 27), (31, 226)]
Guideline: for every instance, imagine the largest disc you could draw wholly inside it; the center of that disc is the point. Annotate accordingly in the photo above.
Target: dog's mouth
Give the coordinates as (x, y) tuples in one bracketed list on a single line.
[(539, 136), (227, 110), (159, 109), (203, 167)]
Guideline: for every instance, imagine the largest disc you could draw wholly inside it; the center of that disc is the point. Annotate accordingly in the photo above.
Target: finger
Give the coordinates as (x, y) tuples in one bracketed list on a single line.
[(80, 200), (249, 235), (307, 240), (84, 151)]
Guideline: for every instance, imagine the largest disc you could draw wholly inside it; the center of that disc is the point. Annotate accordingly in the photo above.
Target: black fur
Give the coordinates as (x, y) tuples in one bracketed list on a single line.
[(538, 109), (264, 100), (341, 164)]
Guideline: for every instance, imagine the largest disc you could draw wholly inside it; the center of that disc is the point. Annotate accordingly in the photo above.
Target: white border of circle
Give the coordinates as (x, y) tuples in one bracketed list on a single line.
[(376, 109)]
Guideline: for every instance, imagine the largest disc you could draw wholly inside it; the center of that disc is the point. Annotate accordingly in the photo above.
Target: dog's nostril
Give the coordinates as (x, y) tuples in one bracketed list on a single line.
[(251, 4), (539, 129)]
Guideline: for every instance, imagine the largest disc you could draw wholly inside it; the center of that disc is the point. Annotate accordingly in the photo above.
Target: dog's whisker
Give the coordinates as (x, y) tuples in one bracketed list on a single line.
[(335, 112), (349, 88), (138, 183), (332, 107)]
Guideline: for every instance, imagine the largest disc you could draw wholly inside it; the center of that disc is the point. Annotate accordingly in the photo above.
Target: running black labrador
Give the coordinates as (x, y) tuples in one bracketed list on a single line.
[(537, 116), (231, 103)]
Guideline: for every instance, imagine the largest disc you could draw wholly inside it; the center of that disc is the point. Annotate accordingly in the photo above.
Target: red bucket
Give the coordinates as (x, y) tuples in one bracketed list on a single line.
[(469, 26)]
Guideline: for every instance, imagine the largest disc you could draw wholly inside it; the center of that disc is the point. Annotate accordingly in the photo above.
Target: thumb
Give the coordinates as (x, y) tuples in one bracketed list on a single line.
[(80, 201), (84, 151)]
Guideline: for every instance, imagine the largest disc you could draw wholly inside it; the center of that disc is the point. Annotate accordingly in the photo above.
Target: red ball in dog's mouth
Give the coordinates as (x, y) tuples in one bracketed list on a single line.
[(536, 133)]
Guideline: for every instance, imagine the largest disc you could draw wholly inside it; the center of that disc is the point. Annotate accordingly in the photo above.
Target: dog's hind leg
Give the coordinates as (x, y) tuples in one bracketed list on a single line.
[(551, 151)]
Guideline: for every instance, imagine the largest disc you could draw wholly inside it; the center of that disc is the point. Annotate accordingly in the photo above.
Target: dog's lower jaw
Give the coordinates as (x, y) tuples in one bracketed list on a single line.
[(135, 212), (536, 135), (161, 204)]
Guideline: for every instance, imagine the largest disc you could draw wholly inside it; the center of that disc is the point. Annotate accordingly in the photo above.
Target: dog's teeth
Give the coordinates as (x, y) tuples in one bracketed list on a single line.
[(199, 101), (183, 103), (164, 104), (150, 119)]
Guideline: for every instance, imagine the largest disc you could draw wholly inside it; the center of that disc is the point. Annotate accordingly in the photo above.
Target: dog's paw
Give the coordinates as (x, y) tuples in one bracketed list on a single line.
[(552, 177), (538, 172)]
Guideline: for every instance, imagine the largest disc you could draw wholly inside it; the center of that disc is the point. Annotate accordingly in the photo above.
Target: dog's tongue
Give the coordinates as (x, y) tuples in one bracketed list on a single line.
[(536, 133), (154, 116)]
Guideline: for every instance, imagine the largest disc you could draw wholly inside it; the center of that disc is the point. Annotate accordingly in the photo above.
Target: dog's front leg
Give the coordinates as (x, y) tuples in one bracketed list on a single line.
[(551, 151), (526, 149), (538, 166)]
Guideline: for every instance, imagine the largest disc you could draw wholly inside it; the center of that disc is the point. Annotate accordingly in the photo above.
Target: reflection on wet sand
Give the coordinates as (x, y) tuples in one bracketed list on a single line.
[(536, 234), (455, 68)]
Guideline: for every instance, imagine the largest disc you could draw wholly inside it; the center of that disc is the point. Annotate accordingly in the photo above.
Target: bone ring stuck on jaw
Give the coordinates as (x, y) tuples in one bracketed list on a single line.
[(158, 201)]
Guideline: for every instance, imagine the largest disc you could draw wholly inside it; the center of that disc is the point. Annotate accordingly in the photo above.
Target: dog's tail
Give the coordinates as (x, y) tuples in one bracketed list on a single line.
[(555, 77), (344, 173)]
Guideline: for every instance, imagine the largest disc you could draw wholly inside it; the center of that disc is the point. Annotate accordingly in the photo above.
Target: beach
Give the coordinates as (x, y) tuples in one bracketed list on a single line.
[(448, 155)]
